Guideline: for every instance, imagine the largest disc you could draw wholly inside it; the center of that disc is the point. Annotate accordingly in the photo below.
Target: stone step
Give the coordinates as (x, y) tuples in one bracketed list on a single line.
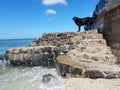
[(70, 41), (104, 56), (93, 58), (89, 36), (76, 36), (68, 65), (93, 42), (103, 71), (99, 58), (95, 49), (55, 39), (69, 34)]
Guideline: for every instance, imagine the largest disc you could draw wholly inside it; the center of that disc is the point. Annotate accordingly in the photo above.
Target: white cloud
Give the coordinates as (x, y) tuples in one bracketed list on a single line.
[(53, 2), (50, 11)]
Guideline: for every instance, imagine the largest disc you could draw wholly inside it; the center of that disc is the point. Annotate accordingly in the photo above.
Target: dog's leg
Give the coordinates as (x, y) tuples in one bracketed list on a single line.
[(78, 29)]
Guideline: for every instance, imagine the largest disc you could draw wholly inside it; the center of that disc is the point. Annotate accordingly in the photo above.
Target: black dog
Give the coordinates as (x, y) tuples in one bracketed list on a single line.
[(84, 21)]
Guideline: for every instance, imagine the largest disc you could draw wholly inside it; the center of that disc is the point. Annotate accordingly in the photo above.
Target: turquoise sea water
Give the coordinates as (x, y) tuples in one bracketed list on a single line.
[(25, 78), (8, 43)]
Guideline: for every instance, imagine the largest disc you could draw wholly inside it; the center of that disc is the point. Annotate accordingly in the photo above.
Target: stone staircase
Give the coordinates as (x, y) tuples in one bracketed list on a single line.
[(91, 58), (77, 54)]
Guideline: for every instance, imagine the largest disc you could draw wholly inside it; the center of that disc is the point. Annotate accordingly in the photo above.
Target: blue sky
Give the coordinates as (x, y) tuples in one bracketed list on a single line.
[(31, 18)]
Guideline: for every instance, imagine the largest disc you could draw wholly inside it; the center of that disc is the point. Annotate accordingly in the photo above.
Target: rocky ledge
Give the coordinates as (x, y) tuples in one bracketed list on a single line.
[(45, 49), (77, 54)]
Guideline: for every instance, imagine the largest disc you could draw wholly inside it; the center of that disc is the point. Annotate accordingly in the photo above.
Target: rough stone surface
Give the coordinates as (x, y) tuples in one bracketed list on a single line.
[(87, 68), (44, 50), (91, 58), (65, 38), (77, 54), (32, 56)]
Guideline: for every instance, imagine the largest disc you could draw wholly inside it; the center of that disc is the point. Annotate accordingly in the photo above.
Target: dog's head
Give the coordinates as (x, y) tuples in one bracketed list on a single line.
[(75, 18)]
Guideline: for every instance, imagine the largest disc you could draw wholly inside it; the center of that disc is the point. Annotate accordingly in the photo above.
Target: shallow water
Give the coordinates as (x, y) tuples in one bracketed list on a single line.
[(25, 78), (28, 78)]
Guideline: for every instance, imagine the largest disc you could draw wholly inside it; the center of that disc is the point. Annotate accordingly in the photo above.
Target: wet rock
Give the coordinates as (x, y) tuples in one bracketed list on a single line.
[(36, 56), (76, 71), (16, 62), (44, 60), (63, 69), (56, 50), (2, 57), (47, 78), (32, 63)]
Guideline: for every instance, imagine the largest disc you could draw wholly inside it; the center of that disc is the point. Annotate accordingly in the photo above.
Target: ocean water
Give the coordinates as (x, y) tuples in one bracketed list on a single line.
[(25, 78), (8, 43)]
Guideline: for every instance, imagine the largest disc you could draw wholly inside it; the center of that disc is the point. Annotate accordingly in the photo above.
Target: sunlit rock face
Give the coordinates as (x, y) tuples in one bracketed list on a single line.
[(32, 56), (90, 58), (44, 50)]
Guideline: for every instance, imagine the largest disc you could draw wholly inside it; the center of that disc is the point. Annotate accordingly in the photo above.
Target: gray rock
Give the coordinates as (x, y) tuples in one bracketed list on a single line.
[(47, 78), (64, 50), (94, 74), (76, 71), (46, 49), (56, 51), (111, 76), (71, 47), (95, 58), (44, 60), (59, 43), (82, 49), (2, 57), (18, 56), (28, 57), (16, 62), (9, 56)]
